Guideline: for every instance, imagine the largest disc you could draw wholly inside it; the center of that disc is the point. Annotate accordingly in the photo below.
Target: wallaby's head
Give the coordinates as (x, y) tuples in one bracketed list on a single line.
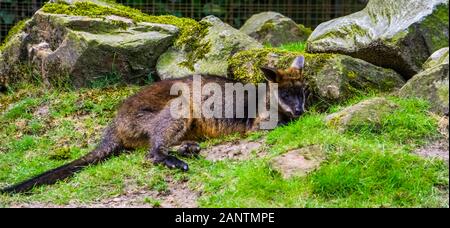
[(292, 90)]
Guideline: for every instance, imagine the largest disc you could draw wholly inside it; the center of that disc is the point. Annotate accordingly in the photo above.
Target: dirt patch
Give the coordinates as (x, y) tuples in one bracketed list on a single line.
[(236, 150), (437, 149), (298, 162), (443, 126), (177, 196), (42, 111), (180, 196)]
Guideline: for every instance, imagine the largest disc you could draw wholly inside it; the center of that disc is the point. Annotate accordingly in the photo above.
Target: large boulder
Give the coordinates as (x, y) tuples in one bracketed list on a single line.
[(81, 42), (368, 112), (274, 29), (332, 77), (224, 41), (432, 83), (396, 34)]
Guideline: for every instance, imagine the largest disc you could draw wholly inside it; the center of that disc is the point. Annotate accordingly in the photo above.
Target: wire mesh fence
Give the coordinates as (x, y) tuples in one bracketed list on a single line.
[(235, 12)]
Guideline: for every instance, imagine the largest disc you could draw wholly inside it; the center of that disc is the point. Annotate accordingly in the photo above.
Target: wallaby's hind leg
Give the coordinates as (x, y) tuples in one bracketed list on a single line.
[(165, 131), (189, 149)]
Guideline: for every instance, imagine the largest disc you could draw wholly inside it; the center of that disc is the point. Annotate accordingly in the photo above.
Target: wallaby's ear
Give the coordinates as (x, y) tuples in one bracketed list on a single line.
[(270, 74), (299, 62)]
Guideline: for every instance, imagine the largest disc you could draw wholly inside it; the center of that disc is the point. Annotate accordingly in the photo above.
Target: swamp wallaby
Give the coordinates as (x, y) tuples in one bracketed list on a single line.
[(145, 120)]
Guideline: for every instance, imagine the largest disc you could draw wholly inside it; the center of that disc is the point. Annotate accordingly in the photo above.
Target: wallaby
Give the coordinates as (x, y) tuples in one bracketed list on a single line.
[(144, 119)]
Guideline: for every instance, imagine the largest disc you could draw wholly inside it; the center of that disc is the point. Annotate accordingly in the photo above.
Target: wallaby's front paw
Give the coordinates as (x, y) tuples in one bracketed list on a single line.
[(173, 162), (189, 149)]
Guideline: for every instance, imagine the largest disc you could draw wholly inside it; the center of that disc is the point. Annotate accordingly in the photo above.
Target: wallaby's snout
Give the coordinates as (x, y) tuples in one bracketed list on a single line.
[(298, 111)]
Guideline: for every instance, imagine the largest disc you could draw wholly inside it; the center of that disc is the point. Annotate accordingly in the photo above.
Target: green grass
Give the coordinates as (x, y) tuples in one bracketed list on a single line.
[(365, 167), (293, 47), (369, 178)]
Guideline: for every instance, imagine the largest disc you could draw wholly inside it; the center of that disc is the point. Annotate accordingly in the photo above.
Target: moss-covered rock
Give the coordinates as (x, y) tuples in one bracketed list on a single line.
[(332, 77), (398, 34), (82, 41), (437, 58), (222, 40), (16, 29), (368, 112), (432, 84), (11, 52), (274, 29)]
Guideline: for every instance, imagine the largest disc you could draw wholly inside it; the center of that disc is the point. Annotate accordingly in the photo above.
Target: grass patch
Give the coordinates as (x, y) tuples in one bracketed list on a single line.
[(291, 47), (113, 78), (370, 178), (363, 169), (294, 47)]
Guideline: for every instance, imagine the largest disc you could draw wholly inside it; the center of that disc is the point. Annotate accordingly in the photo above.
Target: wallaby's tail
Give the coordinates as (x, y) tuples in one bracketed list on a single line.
[(109, 145)]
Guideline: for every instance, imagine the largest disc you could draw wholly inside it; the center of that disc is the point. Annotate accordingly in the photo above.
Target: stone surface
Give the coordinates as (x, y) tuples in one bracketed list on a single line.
[(298, 162), (274, 29), (224, 42), (396, 34), (432, 84), (370, 111), (437, 58), (86, 49)]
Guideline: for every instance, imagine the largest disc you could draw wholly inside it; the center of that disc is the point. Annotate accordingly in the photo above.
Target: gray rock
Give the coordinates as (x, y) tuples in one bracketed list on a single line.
[(299, 162), (274, 29), (396, 34), (370, 111), (224, 40), (431, 84), (82, 49)]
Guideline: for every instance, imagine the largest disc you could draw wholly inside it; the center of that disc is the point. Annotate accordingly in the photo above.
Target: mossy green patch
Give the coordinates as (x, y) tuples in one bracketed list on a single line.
[(62, 153), (433, 24), (443, 92), (13, 31), (352, 75), (353, 30), (305, 31), (266, 28)]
